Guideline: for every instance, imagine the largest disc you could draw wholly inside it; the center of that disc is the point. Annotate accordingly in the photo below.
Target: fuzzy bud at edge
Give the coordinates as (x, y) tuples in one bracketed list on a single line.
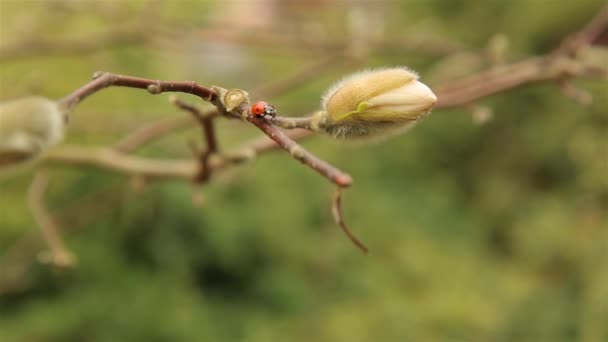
[(28, 127)]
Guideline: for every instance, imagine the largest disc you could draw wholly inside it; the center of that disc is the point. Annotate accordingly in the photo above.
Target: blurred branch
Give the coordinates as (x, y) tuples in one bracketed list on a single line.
[(336, 210), (561, 64), (208, 131), (113, 160), (593, 31), (492, 81), (503, 78), (17, 259), (152, 131), (35, 46), (435, 46), (60, 256)]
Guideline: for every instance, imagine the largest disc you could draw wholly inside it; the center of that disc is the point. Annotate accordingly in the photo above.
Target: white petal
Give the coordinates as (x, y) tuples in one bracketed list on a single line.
[(413, 97)]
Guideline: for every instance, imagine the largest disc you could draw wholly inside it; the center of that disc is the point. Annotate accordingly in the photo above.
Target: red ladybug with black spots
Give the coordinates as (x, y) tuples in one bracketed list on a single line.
[(263, 109)]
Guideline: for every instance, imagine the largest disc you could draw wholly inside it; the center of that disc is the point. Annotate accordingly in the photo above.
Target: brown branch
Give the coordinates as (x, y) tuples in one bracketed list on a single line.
[(499, 79), (328, 171), (336, 210), (494, 80), (103, 80), (60, 256)]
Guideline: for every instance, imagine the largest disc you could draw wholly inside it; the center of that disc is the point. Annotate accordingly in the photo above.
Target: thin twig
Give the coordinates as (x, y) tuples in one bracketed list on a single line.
[(60, 256), (336, 210), (208, 129)]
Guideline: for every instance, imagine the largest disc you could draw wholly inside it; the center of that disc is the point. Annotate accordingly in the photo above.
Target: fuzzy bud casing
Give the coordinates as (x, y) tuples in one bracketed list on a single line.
[(29, 126), (374, 103)]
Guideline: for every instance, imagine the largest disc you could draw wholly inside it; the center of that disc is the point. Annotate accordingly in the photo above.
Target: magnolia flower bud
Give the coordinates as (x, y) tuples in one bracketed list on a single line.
[(29, 126), (374, 103)]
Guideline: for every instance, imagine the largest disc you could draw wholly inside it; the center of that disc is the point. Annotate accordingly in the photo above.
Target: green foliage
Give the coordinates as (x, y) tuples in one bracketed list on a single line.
[(477, 232)]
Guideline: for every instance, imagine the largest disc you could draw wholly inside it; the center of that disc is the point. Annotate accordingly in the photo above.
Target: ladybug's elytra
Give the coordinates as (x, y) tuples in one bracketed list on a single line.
[(263, 108)]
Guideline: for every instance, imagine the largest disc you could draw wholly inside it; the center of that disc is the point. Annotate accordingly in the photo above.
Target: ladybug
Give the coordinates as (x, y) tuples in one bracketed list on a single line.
[(263, 108)]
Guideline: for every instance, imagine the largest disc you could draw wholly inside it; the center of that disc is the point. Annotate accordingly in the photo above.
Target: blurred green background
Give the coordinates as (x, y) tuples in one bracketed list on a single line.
[(493, 231)]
